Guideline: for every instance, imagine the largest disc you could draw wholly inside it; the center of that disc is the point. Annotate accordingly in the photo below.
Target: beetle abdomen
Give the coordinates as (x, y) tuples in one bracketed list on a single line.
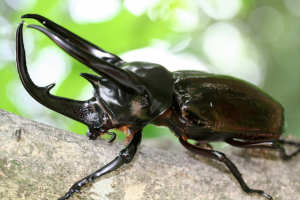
[(218, 103)]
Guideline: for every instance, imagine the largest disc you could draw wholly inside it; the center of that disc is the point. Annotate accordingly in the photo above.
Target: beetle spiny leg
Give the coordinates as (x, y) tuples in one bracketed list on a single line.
[(269, 145), (78, 41), (233, 169), (78, 191), (282, 141), (91, 179), (126, 155), (283, 154), (219, 156)]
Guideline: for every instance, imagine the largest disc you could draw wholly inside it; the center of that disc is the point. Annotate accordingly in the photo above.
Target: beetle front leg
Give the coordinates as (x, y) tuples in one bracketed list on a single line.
[(222, 158), (126, 156)]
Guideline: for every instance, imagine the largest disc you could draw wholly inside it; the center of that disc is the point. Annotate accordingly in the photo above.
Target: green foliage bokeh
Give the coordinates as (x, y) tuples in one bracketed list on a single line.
[(126, 32)]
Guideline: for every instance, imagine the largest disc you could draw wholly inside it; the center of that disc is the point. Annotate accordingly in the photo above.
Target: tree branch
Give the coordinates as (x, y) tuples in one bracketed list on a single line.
[(41, 162)]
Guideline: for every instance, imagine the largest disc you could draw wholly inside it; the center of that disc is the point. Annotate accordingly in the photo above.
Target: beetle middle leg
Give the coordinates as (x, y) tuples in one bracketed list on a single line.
[(126, 156), (219, 156), (267, 145)]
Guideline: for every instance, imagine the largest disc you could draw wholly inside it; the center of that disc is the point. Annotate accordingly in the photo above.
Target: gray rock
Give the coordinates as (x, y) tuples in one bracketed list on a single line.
[(42, 162)]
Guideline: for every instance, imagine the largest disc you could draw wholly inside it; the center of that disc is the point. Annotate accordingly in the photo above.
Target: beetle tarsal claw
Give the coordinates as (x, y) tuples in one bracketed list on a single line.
[(90, 131), (94, 135), (113, 137)]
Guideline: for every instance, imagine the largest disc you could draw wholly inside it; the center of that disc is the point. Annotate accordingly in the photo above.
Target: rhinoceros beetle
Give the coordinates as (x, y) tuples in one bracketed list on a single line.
[(194, 105)]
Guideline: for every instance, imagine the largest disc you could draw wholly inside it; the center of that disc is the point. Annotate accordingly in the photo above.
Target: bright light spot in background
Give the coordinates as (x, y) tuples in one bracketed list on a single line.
[(249, 71), (182, 20), (266, 24), (6, 28), (32, 109), (138, 7), (51, 66), (160, 55), (6, 42), (23, 101), (179, 16), (225, 48), (93, 11), (223, 45), (221, 9), (293, 6), (7, 50), (30, 37), (20, 4)]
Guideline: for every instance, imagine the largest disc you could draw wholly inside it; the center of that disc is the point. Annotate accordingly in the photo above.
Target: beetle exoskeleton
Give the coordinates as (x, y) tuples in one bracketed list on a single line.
[(192, 104)]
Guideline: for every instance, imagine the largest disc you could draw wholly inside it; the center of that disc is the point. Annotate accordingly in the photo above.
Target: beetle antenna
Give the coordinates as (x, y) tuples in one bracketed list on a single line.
[(78, 41)]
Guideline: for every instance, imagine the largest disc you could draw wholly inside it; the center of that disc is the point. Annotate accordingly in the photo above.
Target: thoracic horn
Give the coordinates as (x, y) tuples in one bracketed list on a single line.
[(78, 41), (125, 80)]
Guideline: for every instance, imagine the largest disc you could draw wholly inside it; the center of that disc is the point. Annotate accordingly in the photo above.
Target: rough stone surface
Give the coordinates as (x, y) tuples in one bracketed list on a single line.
[(41, 162)]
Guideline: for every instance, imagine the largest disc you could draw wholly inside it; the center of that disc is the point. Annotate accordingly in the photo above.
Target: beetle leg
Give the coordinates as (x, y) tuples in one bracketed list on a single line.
[(268, 145), (282, 141), (80, 42), (219, 156), (113, 137), (125, 156)]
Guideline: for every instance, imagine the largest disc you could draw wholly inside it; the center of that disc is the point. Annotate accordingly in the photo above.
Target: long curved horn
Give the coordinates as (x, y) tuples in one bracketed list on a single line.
[(87, 112), (123, 79), (78, 41)]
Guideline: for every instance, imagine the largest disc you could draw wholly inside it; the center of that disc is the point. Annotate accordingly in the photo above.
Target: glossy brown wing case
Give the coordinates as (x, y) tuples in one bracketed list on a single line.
[(219, 103)]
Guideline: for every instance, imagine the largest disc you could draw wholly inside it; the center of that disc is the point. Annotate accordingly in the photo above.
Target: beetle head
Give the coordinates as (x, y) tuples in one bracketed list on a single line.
[(133, 107)]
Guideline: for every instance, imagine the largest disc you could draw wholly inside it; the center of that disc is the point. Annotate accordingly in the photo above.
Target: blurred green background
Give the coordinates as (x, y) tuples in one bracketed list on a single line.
[(258, 41)]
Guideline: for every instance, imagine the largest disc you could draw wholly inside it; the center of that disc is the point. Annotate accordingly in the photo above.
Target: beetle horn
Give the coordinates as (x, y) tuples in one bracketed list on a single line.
[(78, 41), (93, 79), (123, 79), (86, 112)]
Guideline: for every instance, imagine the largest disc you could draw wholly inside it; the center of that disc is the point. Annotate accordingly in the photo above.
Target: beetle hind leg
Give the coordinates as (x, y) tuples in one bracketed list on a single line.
[(126, 155), (267, 145), (282, 141), (219, 156), (283, 155)]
